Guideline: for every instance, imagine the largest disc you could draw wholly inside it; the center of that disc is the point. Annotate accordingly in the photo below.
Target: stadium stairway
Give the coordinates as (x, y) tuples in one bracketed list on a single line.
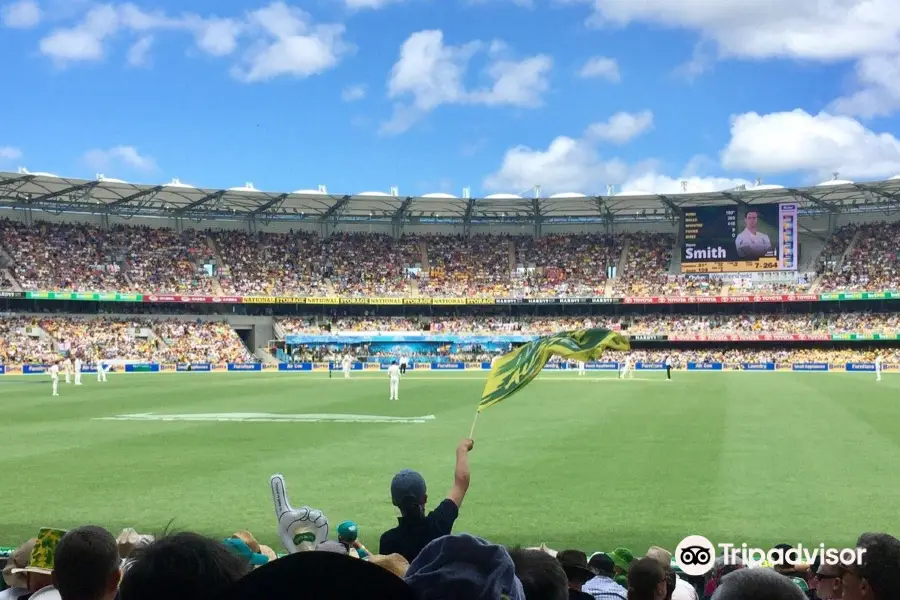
[(620, 267), (265, 356), (840, 263), (423, 250), (9, 280), (217, 285)]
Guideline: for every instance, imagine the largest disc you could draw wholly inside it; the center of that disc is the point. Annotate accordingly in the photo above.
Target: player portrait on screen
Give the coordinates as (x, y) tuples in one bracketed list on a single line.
[(751, 243)]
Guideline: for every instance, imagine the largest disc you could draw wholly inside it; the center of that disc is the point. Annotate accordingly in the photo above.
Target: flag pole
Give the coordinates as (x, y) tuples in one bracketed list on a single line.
[(472, 431)]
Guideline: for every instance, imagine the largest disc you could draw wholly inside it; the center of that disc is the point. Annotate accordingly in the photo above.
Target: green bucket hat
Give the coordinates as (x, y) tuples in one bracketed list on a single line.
[(622, 558)]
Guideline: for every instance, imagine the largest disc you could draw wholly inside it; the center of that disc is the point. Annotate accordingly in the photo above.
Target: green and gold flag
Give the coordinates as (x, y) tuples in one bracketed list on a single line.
[(511, 372)]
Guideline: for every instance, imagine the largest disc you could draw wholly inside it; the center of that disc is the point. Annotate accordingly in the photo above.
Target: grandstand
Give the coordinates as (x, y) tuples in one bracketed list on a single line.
[(158, 280)]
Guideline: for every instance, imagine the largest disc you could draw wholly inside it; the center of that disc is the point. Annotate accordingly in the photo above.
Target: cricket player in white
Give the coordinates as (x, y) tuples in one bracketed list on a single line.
[(67, 369), (346, 363), (582, 368), (394, 375), (750, 243), (101, 372), (78, 370), (878, 367), (54, 377), (626, 368)]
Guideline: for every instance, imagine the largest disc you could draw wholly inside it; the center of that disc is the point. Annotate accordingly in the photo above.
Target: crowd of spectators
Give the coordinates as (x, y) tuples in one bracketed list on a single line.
[(646, 269), (872, 264), (479, 265), (267, 264), (115, 338), (567, 265), (110, 338), (201, 341), (17, 345), (421, 558), (749, 323), (87, 258)]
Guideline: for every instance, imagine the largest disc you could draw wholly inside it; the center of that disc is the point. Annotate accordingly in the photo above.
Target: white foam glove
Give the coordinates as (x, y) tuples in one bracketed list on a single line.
[(300, 529)]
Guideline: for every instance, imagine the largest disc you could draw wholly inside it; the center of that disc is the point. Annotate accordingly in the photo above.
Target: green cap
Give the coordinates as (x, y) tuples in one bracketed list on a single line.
[(348, 531)]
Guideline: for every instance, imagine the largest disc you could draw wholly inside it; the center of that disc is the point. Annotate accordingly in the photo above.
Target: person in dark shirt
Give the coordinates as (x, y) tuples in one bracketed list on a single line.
[(578, 572), (414, 528)]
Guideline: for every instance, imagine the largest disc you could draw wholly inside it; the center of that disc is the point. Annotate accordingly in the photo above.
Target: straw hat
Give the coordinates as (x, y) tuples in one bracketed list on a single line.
[(18, 560), (395, 563)]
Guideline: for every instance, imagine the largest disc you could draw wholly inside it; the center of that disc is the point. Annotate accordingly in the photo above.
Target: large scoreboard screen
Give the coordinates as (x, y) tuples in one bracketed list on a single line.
[(739, 239)]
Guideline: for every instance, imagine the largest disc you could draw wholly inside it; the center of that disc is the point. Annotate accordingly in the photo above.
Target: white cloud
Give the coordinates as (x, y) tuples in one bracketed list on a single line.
[(430, 73), (84, 42), (809, 29), (820, 30), (353, 93), (119, 157), (217, 37), (10, 153), (622, 127), (656, 183), (879, 94), (290, 44), (813, 144), (138, 54), (280, 40), (601, 67), (567, 165), (21, 15)]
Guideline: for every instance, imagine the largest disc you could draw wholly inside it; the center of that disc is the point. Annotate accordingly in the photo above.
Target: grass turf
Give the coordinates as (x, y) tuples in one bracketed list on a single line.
[(588, 462)]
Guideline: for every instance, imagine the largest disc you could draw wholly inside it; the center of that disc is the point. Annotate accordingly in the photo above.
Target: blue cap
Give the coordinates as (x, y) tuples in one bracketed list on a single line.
[(407, 484)]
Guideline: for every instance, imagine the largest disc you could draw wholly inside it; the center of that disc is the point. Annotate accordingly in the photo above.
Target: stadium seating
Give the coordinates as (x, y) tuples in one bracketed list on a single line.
[(77, 257)]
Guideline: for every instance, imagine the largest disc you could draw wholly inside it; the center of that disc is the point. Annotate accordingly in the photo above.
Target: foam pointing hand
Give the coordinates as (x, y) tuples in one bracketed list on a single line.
[(300, 529)]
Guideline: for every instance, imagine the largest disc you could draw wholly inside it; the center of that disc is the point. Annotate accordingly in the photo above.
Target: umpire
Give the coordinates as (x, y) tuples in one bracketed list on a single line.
[(668, 363)]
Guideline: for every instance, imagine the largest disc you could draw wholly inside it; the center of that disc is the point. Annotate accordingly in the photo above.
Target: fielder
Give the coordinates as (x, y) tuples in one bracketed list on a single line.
[(54, 377), (626, 369), (346, 364), (101, 372), (78, 370), (582, 368), (67, 369), (394, 375), (878, 367)]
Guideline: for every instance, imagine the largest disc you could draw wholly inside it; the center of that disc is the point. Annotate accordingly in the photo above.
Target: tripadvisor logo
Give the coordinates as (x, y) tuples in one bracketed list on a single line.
[(696, 555)]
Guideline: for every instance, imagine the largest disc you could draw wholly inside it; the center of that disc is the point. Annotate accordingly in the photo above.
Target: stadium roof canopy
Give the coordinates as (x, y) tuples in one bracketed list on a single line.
[(47, 192)]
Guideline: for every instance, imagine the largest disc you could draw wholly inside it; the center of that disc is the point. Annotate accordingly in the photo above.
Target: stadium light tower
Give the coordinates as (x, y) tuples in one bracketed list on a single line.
[(610, 189), (467, 193), (684, 186)]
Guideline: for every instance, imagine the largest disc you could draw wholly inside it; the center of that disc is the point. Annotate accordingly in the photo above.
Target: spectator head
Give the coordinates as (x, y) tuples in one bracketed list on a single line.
[(602, 564), (828, 582), (181, 566), (409, 493), (542, 577), (18, 560), (575, 565), (755, 584), (660, 555), (465, 567), (878, 577), (38, 572), (86, 565), (646, 580)]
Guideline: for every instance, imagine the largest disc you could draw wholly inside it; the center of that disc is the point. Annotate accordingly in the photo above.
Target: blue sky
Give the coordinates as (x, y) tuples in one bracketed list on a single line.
[(429, 95)]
